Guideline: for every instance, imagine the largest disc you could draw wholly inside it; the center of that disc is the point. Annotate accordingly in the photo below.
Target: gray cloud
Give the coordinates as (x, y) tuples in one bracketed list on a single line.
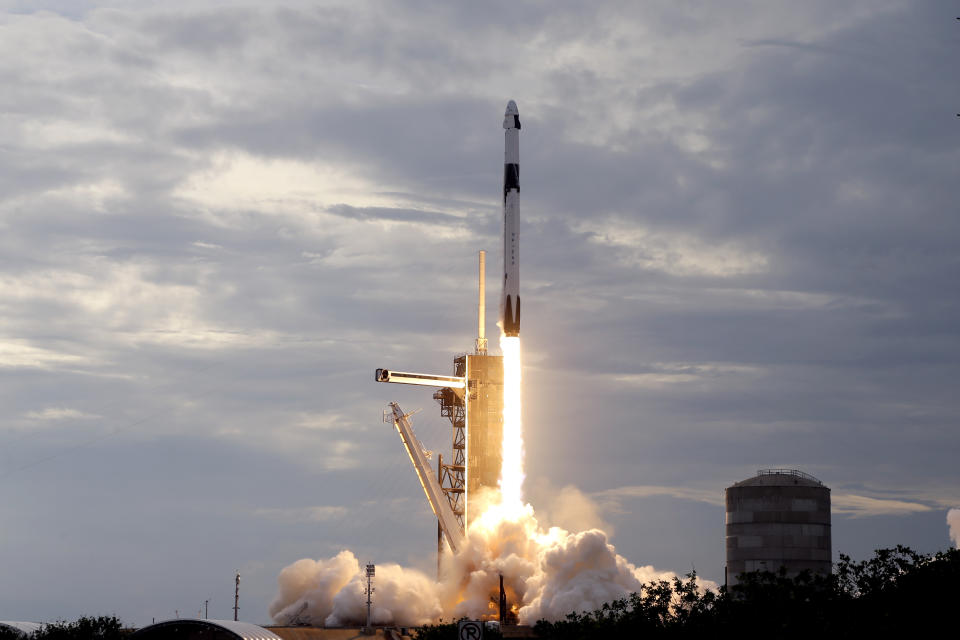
[(739, 252), (398, 215)]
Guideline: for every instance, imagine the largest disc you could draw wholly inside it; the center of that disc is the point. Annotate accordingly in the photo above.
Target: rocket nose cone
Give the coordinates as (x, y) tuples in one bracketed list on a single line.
[(512, 109)]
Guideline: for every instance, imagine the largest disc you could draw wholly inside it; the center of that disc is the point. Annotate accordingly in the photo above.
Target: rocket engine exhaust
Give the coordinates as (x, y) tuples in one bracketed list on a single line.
[(511, 469)]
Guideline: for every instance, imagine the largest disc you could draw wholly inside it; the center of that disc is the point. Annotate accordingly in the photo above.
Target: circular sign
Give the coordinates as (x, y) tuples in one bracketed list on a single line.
[(470, 630)]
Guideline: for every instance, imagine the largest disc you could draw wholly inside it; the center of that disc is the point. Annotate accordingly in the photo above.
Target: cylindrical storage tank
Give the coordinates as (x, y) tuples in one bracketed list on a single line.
[(778, 518)]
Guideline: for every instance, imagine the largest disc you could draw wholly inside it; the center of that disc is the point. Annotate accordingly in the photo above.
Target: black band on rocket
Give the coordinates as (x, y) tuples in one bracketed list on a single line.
[(511, 178)]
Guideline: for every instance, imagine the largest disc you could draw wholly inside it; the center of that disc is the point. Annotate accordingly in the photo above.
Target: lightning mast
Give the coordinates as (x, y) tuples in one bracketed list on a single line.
[(482, 307)]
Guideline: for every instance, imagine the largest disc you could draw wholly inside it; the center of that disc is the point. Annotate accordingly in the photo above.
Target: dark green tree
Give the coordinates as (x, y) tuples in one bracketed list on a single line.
[(6, 633), (896, 592), (87, 628)]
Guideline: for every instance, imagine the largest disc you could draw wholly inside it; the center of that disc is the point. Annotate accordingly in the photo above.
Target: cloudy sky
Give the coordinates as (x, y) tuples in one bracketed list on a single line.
[(739, 233)]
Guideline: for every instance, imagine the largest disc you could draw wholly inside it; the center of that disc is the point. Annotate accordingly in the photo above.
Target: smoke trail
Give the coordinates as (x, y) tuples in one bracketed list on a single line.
[(953, 521)]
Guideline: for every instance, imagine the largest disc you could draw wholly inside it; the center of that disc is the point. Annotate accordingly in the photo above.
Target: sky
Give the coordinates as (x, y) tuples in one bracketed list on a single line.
[(739, 232)]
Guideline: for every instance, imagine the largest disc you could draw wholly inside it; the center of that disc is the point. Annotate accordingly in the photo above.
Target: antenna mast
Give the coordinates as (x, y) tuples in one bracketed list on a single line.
[(370, 573), (236, 597)]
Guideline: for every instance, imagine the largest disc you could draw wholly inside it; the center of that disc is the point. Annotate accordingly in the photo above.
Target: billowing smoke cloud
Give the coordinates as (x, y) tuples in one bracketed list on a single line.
[(570, 508), (548, 573), (333, 591), (953, 521), (314, 582), (404, 597)]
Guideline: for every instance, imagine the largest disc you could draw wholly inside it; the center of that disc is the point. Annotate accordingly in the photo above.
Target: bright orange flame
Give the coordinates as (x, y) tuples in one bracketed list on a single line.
[(511, 471)]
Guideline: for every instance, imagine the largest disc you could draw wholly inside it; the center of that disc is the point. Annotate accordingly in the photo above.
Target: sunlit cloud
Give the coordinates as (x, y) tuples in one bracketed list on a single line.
[(674, 253), (236, 183), (15, 354), (613, 498), (661, 374), (857, 506), (324, 513), (59, 413)]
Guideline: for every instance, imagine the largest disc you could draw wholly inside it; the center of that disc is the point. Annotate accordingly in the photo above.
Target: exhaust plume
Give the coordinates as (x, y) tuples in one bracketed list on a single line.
[(511, 469), (548, 572), (333, 593), (570, 508), (314, 582)]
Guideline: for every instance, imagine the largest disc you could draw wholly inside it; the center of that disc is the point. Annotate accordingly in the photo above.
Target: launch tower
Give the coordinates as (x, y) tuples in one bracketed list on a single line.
[(472, 399)]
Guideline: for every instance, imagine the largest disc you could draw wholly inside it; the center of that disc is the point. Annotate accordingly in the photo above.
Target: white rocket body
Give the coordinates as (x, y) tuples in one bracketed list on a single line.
[(510, 298)]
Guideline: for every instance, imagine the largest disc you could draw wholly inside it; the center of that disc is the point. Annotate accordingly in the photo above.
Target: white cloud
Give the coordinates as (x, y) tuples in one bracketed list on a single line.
[(673, 373), (321, 422), (19, 353), (236, 183), (57, 132), (323, 513), (59, 413), (847, 504), (674, 253), (613, 498), (125, 303), (857, 506)]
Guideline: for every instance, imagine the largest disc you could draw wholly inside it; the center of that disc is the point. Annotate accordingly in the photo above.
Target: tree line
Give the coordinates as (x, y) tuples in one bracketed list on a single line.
[(86, 628), (897, 591)]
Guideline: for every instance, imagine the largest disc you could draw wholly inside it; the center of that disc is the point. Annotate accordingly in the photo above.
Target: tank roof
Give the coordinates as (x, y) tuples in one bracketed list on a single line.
[(780, 477), (241, 630)]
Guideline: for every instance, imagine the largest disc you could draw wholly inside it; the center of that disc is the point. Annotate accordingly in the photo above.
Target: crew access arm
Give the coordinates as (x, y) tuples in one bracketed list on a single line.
[(428, 479)]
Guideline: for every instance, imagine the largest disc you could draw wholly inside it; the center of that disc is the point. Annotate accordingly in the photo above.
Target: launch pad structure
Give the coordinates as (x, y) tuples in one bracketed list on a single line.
[(476, 415), (472, 399)]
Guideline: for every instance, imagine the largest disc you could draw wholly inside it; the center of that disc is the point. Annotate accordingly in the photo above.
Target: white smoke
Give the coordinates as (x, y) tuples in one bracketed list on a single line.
[(314, 582), (404, 597), (953, 521), (569, 508), (581, 571), (548, 573), (333, 591)]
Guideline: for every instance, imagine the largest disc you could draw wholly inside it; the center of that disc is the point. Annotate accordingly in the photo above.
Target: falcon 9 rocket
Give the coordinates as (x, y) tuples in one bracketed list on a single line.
[(510, 298)]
